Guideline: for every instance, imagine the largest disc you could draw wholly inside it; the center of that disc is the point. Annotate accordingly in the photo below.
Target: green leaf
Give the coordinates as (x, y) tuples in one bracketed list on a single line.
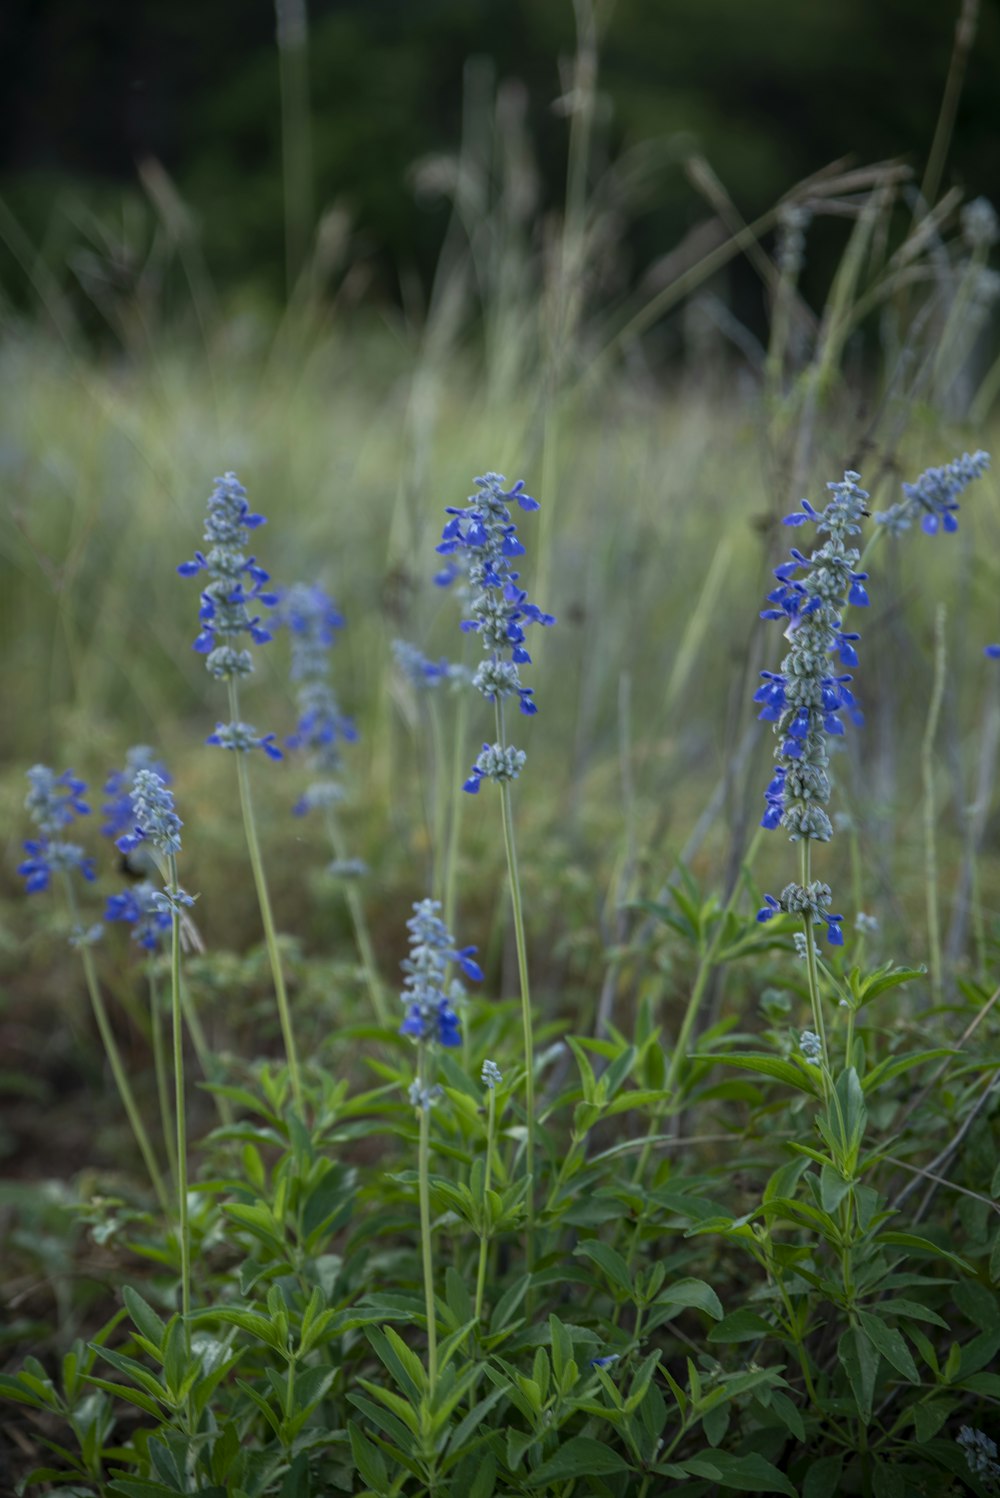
[(692, 1293), (923, 1245), (769, 1066), (741, 1326), (889, 1342), (859, 1360), (368, 1459), (894, 1066), (749, 1474), (822, 1480), (144, 1316), (788, 1414), (581, 1456), (609, 1260), (929, 1418)]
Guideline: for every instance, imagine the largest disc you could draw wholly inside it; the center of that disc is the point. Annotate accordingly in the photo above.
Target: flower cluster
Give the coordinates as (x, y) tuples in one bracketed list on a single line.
[(491, 1075), (236, 585), (980, 1453), (980, 227), (155, 822), (139, 908), (485, 535), (497, 762), (934, 496), (810, 901), (805, 698), (118, 788), (811, 1047), (311, 618), (53, 802), (427, 995), (153, 816), (423, 673)]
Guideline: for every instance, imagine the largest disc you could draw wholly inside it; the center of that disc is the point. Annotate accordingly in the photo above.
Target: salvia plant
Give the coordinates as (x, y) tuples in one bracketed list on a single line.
[(476, 1249)]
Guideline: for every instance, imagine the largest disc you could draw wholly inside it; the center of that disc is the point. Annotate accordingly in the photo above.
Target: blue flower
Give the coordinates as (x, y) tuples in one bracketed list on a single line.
[(805, 700), (117, 809), (812, 902), (138, 908), (242, 737), (934, 496), (606, 1361), (311, 618), (428, 997), (236, 586), (491, 1076), (496, 762), (53, 803), (992, 650), (484, 535), (153, 816)]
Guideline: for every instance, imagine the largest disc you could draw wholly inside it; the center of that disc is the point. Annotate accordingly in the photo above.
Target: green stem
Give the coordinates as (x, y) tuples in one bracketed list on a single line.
[(357, 912), (160, 1067), (705, 969), (457, 806), (930, 842), (526, 1016), (423, 1180), (484, 1241), (264, 901), (812, 970), (115, 1060), (182, 1177)]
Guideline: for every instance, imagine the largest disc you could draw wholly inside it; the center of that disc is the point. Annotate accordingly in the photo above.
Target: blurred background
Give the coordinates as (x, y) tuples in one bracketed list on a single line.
[(102, 98)]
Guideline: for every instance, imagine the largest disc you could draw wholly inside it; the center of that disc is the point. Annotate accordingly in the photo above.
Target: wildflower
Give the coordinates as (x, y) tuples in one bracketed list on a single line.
[(497, 762), (811, 900), (487, 538), (86, 936), (311, 618), (934, 496), (992, 650), (423, 1097), (805, 699), (153, 815), (811, 1047), (491, 1075), (430, 1012), (606, 1361), (867, 925), (347, 868), (53, 802), (138, 908), (418, 670), (793, 221), (980, 1453), (980, 228), (118, 788), (243, 737), (236, 586)]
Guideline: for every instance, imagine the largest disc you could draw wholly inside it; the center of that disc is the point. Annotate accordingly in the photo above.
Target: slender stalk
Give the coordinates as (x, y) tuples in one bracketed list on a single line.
[(812, 969), (115, 1061), (705, 969), (296, 146), (357, 912), (965, 35), (160, 1067), (930, 841), (264, 901), (177, 1018), (441, 798), (423, 1180), (522, 967), (457, 806), (484, 1241)]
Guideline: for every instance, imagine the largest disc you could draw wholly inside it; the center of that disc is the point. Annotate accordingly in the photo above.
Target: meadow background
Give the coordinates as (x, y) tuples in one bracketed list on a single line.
[(359, 262)]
